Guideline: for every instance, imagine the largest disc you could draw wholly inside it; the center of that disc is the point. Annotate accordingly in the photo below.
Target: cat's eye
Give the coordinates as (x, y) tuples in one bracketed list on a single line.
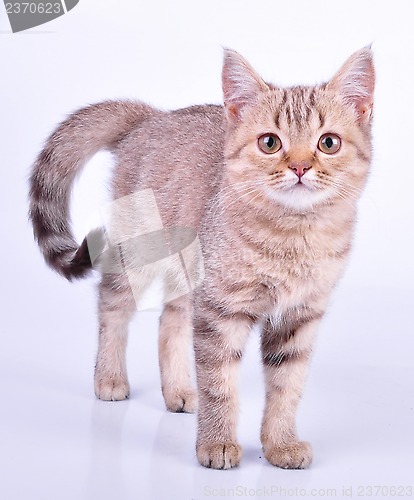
[(329, 144), (269, 143)]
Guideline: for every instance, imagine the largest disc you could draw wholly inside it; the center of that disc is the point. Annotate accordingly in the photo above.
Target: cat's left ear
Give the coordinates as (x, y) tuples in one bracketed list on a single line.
[(241, 84), (356, 82)]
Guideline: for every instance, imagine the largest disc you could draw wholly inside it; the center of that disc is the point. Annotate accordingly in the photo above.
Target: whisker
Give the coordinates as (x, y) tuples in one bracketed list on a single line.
[(344, 190), (226, 190), (251, 191)]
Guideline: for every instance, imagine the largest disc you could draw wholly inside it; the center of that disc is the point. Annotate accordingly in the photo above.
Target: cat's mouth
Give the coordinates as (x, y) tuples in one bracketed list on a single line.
[(299, 195), (302, 185)]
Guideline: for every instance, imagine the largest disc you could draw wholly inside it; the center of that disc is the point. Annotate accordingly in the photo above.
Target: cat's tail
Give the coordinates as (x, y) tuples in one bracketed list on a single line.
[(71, 145)]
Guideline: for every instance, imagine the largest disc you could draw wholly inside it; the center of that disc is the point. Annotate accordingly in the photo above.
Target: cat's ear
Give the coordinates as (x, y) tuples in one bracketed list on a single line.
[(241, 84), (356, 81)]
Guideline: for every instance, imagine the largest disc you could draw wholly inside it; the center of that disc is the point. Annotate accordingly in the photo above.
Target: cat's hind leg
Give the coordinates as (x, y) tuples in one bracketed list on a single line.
[(174, 348), (116, 308)]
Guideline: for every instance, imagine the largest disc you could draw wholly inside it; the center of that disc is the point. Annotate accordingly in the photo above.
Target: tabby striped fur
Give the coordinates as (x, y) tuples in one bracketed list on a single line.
[(273, 247)]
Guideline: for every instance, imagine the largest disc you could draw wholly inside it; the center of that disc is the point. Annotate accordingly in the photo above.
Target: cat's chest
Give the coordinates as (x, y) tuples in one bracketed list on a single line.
[(282, 273), (292, 275), (296, 258)]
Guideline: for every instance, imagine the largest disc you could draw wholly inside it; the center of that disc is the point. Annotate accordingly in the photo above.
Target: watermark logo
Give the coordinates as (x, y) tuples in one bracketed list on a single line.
[(25, 15), (133, 241)]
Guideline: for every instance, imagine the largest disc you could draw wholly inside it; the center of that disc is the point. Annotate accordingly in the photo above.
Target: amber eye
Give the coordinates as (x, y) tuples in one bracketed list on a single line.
[(329, 144), (269, 143)]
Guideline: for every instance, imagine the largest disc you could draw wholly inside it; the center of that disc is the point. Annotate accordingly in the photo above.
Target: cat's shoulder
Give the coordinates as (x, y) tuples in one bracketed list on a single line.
[(200, 110)]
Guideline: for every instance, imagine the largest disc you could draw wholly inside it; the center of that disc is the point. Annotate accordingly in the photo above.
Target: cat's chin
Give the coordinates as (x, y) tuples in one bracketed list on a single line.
[(300, 197)]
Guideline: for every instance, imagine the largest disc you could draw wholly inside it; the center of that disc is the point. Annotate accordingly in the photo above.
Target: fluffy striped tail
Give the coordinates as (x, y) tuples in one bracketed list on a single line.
[(74, 142)]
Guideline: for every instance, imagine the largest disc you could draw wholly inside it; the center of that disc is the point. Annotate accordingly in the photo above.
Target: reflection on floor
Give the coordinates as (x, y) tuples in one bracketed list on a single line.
[(58, 442)]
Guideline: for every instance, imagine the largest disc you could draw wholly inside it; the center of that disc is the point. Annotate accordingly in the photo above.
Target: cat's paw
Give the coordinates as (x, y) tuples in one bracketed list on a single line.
[(296, 455), (184, 401), (111, 388), (219, 455)]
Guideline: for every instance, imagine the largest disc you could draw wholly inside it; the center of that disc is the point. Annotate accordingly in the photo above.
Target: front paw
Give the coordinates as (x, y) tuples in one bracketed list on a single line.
[(219, 455), (296, 455), (111, 387)]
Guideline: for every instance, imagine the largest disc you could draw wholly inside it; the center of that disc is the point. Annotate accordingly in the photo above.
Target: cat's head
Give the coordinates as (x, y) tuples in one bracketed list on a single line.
[(300, 147)]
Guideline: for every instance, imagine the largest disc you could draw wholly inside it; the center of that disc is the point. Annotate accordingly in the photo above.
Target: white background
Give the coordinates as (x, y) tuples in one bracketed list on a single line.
[(56, 441)]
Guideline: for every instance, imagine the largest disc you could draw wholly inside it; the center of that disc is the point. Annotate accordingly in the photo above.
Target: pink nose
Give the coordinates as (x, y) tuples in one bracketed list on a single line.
[(300, 167)]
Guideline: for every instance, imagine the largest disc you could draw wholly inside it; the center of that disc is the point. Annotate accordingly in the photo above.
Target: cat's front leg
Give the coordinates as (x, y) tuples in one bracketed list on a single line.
[(219, 339), (286, 348)]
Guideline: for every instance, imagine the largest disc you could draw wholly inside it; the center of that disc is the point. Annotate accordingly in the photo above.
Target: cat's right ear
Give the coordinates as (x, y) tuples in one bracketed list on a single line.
[(241, 85)]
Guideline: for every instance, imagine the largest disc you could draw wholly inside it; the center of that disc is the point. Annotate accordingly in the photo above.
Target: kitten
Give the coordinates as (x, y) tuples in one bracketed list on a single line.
[(270, 183)]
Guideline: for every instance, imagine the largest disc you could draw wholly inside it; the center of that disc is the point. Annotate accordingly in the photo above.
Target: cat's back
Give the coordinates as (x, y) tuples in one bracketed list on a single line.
[(179, 155)]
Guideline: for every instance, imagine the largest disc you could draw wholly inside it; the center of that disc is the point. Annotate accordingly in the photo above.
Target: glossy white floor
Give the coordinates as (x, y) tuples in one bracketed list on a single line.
[(58, 442)]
